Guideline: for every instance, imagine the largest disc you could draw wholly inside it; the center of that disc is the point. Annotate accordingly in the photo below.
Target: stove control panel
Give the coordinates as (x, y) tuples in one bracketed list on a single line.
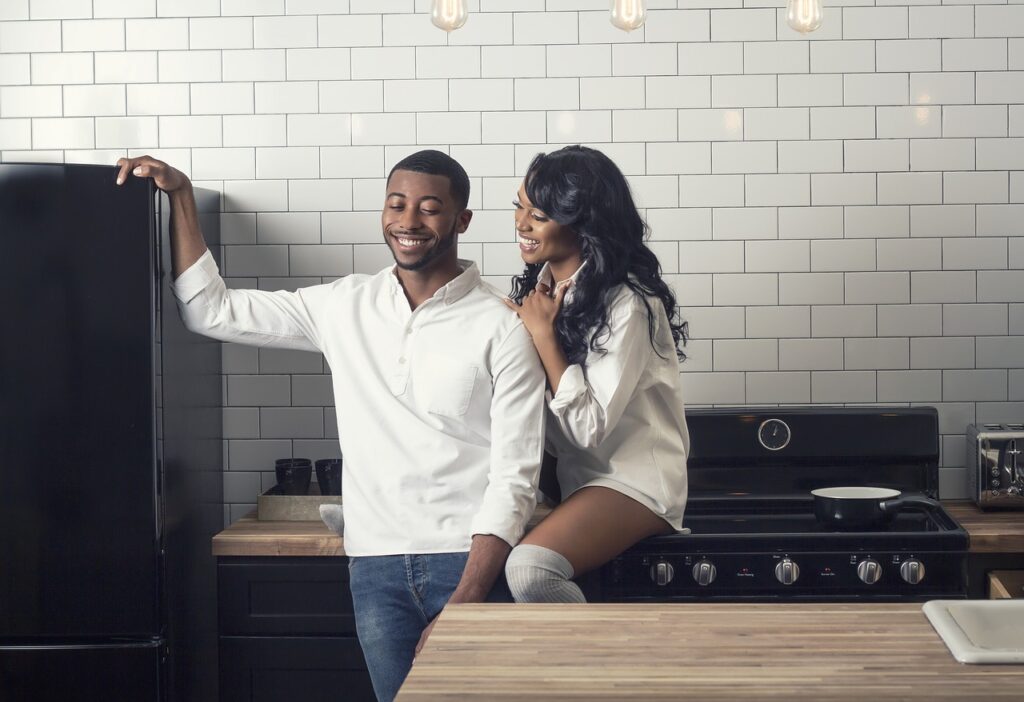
[(812, 575)]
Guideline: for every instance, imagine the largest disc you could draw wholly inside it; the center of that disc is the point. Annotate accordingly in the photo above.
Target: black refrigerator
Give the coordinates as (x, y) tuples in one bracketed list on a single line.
[(110, 446)]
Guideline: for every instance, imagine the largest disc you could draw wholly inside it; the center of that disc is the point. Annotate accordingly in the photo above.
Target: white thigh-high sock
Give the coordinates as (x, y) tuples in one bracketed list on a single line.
[(538, 574)]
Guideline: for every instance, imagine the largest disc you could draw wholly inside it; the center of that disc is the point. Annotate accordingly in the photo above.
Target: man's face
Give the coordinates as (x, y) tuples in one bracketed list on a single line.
[(421, 220)]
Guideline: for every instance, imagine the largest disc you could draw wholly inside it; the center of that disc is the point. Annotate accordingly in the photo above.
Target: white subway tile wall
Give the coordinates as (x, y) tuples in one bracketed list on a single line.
[(841, 214)]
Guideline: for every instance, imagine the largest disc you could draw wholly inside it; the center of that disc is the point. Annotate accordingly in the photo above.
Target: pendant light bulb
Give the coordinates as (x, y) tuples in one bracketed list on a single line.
[(449, 15), (629, 14), (803, 15)]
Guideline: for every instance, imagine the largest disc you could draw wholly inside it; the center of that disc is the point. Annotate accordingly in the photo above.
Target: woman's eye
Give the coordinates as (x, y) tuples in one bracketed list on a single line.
[(540, 218), (517, 204)]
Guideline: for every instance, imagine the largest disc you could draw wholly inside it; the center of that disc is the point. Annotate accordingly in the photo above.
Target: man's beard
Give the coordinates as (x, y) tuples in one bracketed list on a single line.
[(442, 247)]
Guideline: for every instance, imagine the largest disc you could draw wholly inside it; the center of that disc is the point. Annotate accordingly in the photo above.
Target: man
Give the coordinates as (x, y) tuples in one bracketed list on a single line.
[(439, 398)]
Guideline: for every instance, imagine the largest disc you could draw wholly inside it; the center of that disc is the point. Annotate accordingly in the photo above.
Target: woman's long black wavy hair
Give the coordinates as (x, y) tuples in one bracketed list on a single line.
[(581, 188)]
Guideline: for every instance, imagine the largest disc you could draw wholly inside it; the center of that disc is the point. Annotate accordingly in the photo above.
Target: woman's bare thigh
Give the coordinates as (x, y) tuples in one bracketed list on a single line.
[(594, 525)]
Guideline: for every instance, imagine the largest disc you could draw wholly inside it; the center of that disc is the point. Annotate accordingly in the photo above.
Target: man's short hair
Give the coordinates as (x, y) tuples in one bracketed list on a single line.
[(434, 162)]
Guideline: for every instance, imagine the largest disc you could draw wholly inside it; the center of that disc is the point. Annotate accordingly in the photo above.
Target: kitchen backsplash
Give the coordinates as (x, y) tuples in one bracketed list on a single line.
[(841, 214)]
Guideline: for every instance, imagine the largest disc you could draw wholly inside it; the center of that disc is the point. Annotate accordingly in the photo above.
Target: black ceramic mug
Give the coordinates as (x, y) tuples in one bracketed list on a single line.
[(293, 475), (328, 476)]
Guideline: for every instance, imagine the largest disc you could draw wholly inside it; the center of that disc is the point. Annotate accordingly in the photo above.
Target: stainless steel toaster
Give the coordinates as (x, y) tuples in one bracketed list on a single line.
[(995, 465)]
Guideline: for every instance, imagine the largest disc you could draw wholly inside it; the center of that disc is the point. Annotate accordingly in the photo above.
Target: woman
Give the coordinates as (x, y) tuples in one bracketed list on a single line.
[(606, 328)]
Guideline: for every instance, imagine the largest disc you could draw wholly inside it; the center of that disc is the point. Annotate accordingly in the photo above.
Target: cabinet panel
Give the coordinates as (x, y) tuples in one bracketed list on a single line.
[(284, 596), (289, 668), (1005, 584)]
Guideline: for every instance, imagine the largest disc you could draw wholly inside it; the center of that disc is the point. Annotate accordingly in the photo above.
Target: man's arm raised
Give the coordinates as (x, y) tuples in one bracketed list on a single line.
[(187, 243)]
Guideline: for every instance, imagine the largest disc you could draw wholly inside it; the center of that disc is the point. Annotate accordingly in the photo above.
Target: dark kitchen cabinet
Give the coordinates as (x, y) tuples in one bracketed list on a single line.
[(287, 631)]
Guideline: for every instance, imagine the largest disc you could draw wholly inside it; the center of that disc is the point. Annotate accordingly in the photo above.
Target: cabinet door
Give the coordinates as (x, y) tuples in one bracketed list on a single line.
[(287, 596), (290, 668)]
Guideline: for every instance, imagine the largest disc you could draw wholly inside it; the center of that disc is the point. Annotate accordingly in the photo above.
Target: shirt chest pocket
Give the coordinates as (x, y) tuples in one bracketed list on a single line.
[(444, 385)]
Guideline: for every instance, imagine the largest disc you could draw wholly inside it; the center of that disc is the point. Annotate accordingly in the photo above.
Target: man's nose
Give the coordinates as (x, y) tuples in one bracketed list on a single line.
[(410, 219)]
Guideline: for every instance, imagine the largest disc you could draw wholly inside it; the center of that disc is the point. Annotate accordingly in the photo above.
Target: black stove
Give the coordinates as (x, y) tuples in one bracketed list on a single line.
[(753, 535)]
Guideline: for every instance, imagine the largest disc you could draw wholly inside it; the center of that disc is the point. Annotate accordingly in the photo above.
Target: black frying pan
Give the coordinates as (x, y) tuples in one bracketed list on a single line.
[(863, 507)]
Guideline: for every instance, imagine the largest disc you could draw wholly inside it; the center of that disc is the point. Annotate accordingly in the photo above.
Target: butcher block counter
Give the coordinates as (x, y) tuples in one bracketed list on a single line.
[(731, 651), (991, 532)]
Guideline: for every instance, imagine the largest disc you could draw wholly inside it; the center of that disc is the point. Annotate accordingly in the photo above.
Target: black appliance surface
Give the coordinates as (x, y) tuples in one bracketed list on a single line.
[(108, 480), (752, 530)]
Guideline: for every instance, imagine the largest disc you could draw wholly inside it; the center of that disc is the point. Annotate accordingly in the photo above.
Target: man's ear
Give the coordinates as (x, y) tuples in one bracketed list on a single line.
[(463, 221)]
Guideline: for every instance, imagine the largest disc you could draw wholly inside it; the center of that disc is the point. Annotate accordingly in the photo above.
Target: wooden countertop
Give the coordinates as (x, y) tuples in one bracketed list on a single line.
[(846, 652), (251, 537), (991, 532)]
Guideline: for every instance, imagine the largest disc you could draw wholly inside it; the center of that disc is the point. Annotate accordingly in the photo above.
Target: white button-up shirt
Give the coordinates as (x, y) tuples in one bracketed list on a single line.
[(617, 421), (440, 409)]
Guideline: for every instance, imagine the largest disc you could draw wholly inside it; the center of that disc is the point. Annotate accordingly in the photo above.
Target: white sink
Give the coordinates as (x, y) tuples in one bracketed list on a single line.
[(980, 631)]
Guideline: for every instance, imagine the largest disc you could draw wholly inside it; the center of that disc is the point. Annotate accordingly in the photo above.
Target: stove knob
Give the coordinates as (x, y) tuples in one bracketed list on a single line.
[(912, 571), (787, 571), (704, 573), (662, 573), (869, 571)]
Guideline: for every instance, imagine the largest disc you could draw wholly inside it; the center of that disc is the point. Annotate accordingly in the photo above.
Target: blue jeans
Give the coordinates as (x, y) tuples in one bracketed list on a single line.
[(395, 597)]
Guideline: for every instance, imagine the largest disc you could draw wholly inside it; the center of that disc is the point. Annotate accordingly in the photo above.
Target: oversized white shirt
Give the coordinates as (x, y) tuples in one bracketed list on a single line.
[(440, 409), (617, 421)]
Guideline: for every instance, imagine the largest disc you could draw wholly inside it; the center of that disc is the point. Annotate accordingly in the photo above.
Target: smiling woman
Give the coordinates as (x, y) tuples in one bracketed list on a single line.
[(606, 328)]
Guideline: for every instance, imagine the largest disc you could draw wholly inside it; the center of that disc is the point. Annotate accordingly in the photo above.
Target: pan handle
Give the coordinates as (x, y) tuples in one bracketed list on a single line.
[(913, 501)]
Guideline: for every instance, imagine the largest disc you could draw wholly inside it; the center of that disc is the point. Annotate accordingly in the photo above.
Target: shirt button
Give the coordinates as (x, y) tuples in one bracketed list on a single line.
[(402, 359)]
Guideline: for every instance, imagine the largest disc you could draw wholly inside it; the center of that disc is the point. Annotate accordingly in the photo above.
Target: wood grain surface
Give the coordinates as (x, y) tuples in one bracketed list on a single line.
[(252, 537), (991, 532), (832, 652)]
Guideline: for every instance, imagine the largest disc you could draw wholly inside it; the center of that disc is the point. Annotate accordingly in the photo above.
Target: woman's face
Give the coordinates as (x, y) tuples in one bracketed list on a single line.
[(542, 239)]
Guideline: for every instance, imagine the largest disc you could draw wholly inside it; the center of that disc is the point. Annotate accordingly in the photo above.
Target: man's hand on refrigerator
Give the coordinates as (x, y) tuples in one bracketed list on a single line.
[(165, 177)]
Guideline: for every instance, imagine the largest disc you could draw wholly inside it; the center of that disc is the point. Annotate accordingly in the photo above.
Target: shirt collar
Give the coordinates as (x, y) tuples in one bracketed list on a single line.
[(545, 277), (454, 289)]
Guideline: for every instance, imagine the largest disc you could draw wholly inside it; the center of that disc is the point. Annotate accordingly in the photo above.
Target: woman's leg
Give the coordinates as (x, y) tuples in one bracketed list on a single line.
[(587, 530)]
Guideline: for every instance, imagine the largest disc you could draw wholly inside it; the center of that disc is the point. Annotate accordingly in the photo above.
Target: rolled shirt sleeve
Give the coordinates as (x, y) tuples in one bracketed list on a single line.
[(256, 317), (589, 404), (517, 439)]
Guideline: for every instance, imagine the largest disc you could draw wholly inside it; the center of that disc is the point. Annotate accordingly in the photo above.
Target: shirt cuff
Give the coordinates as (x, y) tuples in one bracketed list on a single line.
[(509, 530), (195, 279), (570, 387)]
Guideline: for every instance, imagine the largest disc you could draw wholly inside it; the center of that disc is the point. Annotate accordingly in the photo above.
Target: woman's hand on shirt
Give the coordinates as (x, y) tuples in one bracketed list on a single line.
[(539, 310)]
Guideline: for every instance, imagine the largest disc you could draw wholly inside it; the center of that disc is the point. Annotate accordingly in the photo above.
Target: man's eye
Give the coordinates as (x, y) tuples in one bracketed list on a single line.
[(395, 207), (429, 212)]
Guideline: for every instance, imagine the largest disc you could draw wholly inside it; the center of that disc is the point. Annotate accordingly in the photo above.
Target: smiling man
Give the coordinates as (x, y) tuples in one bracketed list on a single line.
[(439, 399)]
